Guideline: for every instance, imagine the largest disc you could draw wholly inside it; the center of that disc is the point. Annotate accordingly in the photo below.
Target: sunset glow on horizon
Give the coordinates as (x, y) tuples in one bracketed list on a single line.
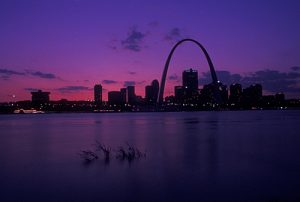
[(66, 47)]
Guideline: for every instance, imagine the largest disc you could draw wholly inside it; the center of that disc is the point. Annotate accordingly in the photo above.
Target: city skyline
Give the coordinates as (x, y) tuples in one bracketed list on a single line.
[(188, 89), (187, 97), (68, 46)]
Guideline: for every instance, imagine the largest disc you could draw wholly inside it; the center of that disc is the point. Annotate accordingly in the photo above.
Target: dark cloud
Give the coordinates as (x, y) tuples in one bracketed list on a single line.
[(133, 40), (174, 77), (174, 34), (272, 80), (141, 82), (109, 81), (32, 89), (5, 74), (8, 72), (224, 76), (129, 83), (295, 68), (270, 75), (131, 73), (43, 75), (69, 89)]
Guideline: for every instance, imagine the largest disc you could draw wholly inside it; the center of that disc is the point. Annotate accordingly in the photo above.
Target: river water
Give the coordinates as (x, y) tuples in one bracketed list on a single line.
[(195, 156)]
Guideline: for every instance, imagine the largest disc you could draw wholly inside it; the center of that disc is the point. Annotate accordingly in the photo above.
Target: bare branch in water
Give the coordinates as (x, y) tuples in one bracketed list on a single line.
[(128, 152), (106, 150), (88, 155)]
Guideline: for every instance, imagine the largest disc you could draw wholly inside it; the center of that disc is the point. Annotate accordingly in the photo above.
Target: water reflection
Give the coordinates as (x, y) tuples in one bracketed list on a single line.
[(201, 145), (190, 157), (193, 120)]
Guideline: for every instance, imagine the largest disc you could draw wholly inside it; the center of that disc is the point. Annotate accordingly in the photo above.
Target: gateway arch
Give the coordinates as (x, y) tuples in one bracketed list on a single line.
[(211, 67)]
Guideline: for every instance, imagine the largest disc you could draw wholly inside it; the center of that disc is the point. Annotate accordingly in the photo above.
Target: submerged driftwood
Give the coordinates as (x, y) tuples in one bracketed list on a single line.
[(106, 150), (128, 153), (88, 155)]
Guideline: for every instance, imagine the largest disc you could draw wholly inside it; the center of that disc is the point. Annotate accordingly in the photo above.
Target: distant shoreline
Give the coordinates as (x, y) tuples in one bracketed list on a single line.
[(115, 112)]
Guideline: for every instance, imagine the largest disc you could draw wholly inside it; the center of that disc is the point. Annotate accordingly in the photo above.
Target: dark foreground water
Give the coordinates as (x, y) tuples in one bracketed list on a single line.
[(203, 156)]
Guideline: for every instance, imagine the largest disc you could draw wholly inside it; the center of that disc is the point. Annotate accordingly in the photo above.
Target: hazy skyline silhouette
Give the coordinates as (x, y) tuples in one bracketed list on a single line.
[(68, 46)]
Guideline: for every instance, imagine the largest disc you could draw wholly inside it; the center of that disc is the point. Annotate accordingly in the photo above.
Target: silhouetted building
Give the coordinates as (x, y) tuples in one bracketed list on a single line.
[(148, 94), (170, 99), (235, 93), (190, 82), (179, 93), (280, 99), (130, 92), (40, 97), (268, 101), (252, 95), (214, 94), (273, 101), (151, 92), (114, 98), (98, 94), (223, 92), (123, 95), (155, 86), (139, 100), (207, 94)]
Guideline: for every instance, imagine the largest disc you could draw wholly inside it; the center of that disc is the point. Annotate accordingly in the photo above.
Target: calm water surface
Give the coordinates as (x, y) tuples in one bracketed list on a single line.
[(201, 156)]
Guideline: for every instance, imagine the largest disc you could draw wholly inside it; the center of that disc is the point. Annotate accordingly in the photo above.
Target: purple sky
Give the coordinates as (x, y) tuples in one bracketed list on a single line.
[(65, 47)]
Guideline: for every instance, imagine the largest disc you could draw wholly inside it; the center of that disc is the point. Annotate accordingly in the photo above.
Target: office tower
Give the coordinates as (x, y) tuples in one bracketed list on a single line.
[(40, 97), (155, 89), (98, 94), (190, 83), (207, 94), (235, 93), (130, 92), (190, 80), (123, 95), (114, 98), (151, 92), (279, 99), (252, 95), (179, 92), (224, 93), (253, 91)]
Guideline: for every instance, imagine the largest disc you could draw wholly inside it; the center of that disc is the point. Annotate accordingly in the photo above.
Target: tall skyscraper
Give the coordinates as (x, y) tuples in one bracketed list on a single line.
[(179, 92), (155, 89), (130, 95), (252, 95), (235, 93), (190, 84), (151, 92), (224, 93), (190, 79), (123, 95), (207, 94), (98, 94)]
